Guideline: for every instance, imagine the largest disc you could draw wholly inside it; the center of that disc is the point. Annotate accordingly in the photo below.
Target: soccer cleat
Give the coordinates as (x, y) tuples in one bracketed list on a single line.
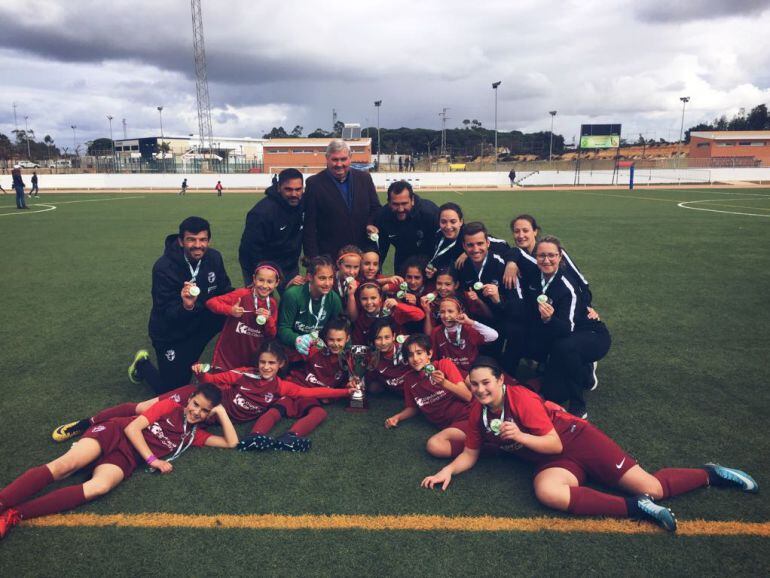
[(724, 476), (8, 520), (256, 442), (134, 375), (70, 430), (291, 442), (658, 514)]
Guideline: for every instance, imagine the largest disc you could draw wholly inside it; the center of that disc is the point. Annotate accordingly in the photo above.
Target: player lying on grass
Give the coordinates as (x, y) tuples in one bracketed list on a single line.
[(247, 394), (252, 317), (438, 391), (116, 448), (567, 451)]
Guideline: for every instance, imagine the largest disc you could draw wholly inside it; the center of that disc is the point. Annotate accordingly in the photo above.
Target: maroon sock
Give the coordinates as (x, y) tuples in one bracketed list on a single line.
[(27, 484), (122, 410), (457, 447), (266, 421), (53, 503), (677, 481), (312, 420), (588, 502)]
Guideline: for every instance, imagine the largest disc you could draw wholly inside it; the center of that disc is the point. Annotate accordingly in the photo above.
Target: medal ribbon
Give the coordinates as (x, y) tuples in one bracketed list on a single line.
[(455, 342), (484, 414), (256, 303), (481, 271), (545, 285), (321, 311), (193, 272), (439, 252)]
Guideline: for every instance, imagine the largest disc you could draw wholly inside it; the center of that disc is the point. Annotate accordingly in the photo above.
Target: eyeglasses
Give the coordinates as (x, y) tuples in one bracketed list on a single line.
[(549, 256)]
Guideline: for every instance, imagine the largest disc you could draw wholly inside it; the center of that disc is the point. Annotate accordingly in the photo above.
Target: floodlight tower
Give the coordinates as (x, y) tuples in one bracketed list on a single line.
[(378, 104), (494, 87), (444, 118), (550, 146), (685, 100), (201, 78)]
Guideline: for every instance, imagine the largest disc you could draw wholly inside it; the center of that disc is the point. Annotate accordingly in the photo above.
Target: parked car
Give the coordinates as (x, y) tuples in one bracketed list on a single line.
[(28, 165), (60, 164)]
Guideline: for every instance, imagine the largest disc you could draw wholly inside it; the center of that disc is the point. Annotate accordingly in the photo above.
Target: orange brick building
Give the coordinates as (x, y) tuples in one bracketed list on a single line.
[(308, 154), (748, 148)]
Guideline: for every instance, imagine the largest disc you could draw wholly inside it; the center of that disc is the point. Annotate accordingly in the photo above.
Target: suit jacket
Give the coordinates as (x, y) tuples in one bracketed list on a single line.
[(329, 224)]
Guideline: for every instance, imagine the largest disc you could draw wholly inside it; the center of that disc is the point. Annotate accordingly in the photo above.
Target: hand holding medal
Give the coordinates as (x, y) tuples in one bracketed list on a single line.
[(189, 294)]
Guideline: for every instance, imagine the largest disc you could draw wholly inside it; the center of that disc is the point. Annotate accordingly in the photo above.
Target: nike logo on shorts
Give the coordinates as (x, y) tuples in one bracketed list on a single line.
[(620, 465)]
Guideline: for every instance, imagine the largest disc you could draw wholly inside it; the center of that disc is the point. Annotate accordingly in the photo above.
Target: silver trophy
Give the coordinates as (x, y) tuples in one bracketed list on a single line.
[(356, 359)]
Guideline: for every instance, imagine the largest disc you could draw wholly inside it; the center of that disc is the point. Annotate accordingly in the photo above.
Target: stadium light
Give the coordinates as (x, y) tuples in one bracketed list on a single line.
[(550, 146), (74, 140), (377, 104), (26, 136), (160, 114), (112, 140), (685, 100), (494, 87)]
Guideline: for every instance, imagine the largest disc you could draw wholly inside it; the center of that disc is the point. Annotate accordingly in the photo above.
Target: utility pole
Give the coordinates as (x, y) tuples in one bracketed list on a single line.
[(494, 87), (15, 121), (112, 141), (378, 104), (334, 120), (444, 118), (26, 136), (74, 140), (125, 129), (685, 100), (550, 146)]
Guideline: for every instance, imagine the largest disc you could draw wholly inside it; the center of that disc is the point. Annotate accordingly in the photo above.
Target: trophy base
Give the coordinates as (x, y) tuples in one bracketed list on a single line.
[(357, 406)]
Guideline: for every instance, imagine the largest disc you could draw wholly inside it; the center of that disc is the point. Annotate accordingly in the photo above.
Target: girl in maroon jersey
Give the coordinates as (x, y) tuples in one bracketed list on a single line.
[(387, 366), (346, 278), (116, 448), (248, 393), (252, 317), (370, 271), (436, 390), (566, 451), (322, 366), (371, 306), (413, 272), (459, 337), (447, 284)]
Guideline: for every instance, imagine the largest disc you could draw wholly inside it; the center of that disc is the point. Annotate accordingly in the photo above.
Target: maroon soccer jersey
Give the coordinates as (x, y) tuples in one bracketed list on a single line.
[(168, 429), (459, 343), (531, 414), (242, 337), (322, 368), (246, 395), (440, 407), (390, 373), (403, 313)]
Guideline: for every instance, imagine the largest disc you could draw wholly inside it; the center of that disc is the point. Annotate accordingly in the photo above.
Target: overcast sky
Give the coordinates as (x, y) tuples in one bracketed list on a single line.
[(291, 62)]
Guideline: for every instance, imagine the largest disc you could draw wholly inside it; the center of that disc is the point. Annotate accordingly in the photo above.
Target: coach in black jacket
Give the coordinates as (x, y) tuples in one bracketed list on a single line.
[(340, 203), (180, 324), (407, 222), (273, 230)]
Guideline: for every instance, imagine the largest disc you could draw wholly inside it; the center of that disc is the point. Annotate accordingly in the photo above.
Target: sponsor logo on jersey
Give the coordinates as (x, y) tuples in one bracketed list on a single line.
[(98, 428), (243, 329), (170, 354), (429, 399), (156, 430)]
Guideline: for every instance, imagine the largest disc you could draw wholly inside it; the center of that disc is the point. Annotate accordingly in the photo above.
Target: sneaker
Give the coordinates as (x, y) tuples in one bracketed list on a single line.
[(658, 514), (134, 375), (291, 442), (8, 520), (725, 476), (257, 442), (593, 381), (70, 430)]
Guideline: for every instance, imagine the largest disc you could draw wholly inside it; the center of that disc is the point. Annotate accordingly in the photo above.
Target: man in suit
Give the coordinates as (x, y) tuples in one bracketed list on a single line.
[(340, 205)]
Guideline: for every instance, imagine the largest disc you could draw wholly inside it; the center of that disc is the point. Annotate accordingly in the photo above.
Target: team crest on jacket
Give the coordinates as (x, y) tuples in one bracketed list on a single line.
[(170, 354), (212, 276)]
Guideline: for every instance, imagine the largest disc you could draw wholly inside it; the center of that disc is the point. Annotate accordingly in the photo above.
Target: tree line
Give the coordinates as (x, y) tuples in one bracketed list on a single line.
[(17, 148)]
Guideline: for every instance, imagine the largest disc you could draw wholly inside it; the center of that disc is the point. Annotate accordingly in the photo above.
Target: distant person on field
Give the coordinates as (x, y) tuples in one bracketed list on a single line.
[(340, 204), (400, 164), (273, 229), (275, 179), (18, 186), (184, 278), (218, 188), (35, 192), (183, 190), (512, 177)]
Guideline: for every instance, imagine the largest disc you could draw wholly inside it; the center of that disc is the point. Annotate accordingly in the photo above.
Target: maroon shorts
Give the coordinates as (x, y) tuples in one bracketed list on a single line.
[(116, 449), (461, 424), (295, 407), (591, 454), (180, 394)]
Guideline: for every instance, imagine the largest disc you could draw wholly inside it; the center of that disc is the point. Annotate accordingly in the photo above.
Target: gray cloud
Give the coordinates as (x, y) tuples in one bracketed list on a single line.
[(689, 10)]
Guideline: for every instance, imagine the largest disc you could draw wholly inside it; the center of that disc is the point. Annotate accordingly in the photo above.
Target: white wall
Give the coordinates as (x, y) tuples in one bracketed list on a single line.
[(443, 180)]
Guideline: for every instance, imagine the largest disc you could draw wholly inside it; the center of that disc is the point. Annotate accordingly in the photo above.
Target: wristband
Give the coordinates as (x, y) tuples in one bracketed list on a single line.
[(151, 458)]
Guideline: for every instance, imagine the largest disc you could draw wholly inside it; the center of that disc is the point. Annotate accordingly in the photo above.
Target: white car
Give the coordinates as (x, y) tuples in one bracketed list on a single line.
[(28, 165)]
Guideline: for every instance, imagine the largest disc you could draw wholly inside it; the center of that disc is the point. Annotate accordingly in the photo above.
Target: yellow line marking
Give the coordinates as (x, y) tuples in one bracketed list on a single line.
[(405, 523)]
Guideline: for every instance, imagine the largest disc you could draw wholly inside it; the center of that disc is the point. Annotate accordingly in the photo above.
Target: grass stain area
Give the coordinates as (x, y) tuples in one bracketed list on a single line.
[(684, 294)]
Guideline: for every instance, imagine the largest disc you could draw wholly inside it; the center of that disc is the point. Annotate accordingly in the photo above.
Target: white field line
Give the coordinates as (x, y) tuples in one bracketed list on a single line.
[(685, 205), (53, 207)]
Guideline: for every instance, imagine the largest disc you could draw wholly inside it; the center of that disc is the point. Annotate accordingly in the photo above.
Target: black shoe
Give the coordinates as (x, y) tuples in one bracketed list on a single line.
[(291, 442), (256, 442)]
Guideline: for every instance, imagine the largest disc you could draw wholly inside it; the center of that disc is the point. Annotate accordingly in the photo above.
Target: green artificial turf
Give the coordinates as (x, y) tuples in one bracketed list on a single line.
[(684, 294)]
